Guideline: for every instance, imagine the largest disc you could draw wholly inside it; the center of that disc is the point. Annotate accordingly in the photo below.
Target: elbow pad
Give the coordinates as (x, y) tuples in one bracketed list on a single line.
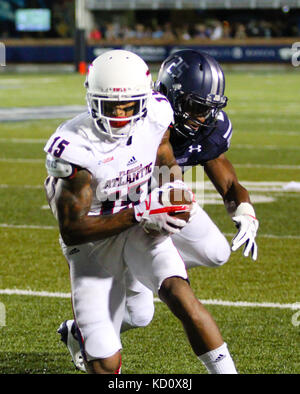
[(59, 168)]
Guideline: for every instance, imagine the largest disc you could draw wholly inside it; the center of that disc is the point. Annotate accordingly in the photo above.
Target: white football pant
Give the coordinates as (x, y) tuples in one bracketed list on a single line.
[(97, 273), (200, 243)]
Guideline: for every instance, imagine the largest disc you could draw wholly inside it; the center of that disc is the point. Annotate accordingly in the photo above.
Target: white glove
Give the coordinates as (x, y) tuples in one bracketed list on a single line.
[(162, 223), (153, 216), (247, 225)]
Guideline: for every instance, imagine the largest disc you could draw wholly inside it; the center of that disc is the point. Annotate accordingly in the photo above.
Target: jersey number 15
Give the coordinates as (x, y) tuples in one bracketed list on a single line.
[(58, 145)]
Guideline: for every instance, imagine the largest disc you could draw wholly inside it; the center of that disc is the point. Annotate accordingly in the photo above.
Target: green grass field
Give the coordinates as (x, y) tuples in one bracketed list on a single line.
[(263, 335)]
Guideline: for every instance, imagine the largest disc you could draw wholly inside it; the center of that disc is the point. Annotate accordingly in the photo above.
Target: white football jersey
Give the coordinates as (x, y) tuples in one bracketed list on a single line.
[(121, 170)]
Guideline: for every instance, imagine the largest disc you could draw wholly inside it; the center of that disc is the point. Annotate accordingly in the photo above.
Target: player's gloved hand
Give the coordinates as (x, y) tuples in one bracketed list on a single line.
[(153, 216), (247, 226), (161, 223)]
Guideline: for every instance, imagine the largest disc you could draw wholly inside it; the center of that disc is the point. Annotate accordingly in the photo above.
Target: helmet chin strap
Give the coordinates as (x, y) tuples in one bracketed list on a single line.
[(114, 133), (117, 124), (121, 129)]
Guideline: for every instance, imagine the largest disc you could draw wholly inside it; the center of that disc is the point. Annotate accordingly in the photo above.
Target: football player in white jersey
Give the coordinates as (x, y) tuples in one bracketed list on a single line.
[(100, 165)]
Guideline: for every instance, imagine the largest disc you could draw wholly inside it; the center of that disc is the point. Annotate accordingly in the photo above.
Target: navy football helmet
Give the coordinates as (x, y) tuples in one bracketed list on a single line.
[(194, 83)]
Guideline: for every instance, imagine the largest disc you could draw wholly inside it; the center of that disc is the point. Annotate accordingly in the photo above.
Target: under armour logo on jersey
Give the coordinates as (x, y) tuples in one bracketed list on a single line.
[(131, 161), (198, 148)]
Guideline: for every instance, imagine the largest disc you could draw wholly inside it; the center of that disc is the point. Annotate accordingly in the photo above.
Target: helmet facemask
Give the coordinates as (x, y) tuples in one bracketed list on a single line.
[(107, 123), (189, 108)]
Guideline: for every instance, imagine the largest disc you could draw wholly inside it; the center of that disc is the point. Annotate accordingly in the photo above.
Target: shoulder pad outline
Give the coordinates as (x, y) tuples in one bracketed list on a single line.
[(57, 167)]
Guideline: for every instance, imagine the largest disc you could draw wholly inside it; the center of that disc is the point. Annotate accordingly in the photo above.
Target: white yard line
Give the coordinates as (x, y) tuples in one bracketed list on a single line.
[(265, 147), (23, 140), (207, 302), (250, 185), (237, 165), (268, 236), (34, 293), (234, 146), (22, 161), (27, 226), (6, 186), (45, 112), (37, 227), (269, 166)]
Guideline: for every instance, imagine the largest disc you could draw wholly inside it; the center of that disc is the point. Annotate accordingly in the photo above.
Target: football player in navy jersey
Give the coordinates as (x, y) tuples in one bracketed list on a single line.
[(194, 83)]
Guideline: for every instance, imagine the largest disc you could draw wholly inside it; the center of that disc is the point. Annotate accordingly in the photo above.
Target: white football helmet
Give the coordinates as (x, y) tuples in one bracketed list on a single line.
[(121, 77)]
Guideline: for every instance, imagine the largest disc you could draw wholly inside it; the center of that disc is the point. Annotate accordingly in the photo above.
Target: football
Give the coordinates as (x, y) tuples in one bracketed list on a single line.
[(177, 202), (180, 198)]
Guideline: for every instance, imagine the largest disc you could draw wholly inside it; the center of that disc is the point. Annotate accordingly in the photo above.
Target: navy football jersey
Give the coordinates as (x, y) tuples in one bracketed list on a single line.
[(210, 144)]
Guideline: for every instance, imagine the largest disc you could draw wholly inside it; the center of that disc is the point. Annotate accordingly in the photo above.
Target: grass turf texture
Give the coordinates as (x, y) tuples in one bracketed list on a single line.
[(263, 108)]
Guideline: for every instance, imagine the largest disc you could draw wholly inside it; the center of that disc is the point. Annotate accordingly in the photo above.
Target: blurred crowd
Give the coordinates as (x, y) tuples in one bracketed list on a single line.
[(163, 25), (210, 29)]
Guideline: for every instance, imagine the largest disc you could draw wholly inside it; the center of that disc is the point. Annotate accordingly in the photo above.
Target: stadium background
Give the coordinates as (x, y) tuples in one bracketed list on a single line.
[(46, 55), (73, 31)]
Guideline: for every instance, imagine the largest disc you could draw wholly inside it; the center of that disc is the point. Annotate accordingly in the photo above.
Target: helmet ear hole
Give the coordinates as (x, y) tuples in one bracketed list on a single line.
[(200, 67)]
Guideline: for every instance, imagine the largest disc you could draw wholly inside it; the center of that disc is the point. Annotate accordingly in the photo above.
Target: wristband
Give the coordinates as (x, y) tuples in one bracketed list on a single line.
[(245, 208)]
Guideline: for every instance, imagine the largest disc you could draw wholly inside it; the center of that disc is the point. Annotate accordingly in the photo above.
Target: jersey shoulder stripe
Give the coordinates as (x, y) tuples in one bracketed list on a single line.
[(228, 134), (224, 127)]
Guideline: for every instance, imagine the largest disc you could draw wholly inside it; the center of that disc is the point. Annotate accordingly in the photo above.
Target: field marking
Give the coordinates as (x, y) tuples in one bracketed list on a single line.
[(6, 186), (43, 112), (268, 236), (36, 79), (237, 165), (22, 161), (235, 146), (37, 227), (24, 140), (253, 186), (268, 119), (283, 132), (269, 166), (32, 293), (266, 147), (27, 226)]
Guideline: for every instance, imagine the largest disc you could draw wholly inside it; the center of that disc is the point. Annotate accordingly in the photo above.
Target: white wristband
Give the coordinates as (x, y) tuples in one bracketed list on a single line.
[(245, 208)]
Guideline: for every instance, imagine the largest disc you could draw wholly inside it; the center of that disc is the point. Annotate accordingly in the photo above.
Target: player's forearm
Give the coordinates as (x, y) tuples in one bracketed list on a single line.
[(234, 196), (94, 228), (223, 176), (166, 167)]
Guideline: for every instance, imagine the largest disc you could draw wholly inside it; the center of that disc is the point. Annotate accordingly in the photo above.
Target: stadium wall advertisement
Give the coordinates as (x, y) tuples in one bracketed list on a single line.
[(226, 53)]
